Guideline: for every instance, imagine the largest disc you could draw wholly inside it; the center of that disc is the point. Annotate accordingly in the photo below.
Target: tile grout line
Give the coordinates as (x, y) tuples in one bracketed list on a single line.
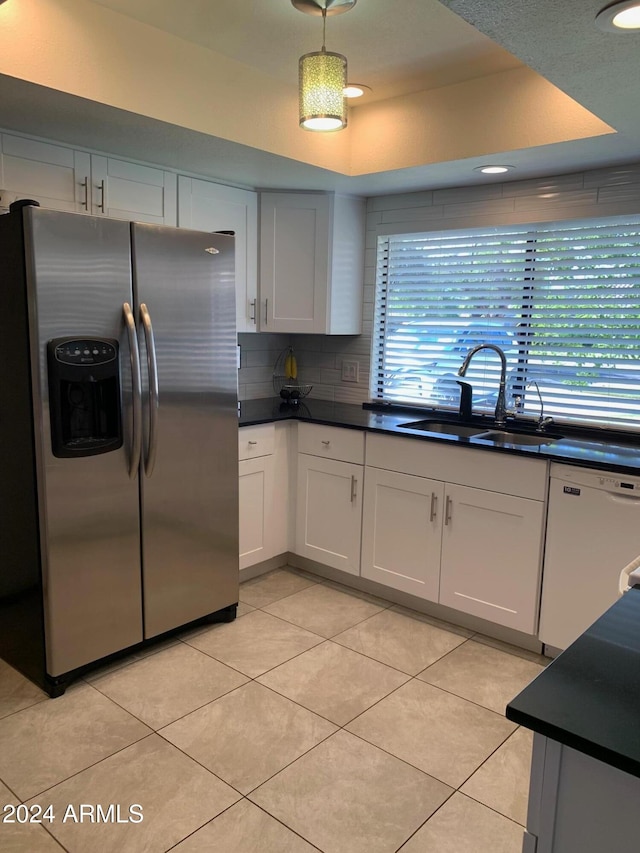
[(88, 767), (26, 707)]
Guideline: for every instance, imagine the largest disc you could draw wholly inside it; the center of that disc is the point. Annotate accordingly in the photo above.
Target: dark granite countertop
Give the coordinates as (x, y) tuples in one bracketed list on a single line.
[(588, 698), (588, 451)]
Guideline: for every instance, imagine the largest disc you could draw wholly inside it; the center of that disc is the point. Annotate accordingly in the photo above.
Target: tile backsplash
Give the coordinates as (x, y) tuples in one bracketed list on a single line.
[(258, 354), (602, 192), (319, 360)]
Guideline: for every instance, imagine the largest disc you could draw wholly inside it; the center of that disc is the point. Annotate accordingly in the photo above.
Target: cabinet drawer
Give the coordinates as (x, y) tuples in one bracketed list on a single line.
[(346, 445), (256, 441)]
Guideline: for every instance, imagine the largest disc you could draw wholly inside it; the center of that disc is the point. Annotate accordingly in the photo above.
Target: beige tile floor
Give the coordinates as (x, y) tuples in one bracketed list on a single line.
[(321, 719)]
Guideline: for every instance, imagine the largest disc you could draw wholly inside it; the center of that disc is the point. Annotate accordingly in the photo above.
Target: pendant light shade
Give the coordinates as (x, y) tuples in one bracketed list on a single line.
[(322, 78)]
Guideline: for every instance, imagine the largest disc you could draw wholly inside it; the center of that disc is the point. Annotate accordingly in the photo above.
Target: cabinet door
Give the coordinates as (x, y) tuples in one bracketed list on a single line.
[(329, 512), (255, 498), (57, 177), (294, 262), (131, 191), (206, 206), (491, 549), (401, 532)]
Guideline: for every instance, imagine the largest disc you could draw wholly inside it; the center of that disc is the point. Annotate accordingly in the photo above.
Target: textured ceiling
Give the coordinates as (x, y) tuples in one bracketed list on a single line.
[(560, 41)]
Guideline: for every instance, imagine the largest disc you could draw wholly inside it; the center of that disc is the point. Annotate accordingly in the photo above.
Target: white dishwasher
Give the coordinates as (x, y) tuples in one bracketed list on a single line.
[(593, 530)]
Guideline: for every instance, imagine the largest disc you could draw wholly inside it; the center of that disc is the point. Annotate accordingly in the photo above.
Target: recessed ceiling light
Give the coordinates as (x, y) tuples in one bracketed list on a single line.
[(623, 16), (355, 90), (493, 170)]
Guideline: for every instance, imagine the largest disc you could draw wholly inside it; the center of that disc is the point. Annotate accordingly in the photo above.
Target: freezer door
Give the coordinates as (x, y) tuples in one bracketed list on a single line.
[(185, 303), (78, 277)]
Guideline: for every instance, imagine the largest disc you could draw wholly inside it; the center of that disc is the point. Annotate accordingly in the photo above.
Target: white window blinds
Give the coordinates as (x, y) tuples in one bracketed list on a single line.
[(562, 300)]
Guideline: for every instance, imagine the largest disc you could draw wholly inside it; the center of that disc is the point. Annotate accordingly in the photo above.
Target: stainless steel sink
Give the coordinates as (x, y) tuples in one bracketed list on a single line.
[(518, 438), (445, 428)]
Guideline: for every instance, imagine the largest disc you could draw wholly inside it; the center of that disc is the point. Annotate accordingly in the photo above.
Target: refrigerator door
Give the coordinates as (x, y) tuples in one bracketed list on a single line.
[(185, 309), (78, 278)]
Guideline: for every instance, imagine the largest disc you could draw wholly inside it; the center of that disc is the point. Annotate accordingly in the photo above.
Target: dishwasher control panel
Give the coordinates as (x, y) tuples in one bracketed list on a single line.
[(605, 480), (614, 484)]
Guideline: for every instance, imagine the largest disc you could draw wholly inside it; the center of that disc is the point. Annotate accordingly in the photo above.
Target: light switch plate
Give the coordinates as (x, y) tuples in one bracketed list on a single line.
[(350, 371)]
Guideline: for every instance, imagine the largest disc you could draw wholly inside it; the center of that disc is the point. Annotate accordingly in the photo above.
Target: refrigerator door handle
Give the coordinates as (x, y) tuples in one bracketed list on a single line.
[(136, 385), (152, 366)]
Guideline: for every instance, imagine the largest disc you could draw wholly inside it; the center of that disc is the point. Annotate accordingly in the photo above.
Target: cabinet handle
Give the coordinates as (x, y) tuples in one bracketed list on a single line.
[(326, 443), (447, 510), (354, 486), (100, 188), (85, 203), (252, 312), (252, 443), (266, 311), (434, 506)]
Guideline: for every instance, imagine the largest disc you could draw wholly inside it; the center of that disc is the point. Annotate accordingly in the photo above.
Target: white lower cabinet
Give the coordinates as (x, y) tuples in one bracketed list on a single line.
[(402, 531), (432, 529), (263, 493), (490, 561), (577, 803), (329, 512), (255, 495), (329, 496), (456, 526)]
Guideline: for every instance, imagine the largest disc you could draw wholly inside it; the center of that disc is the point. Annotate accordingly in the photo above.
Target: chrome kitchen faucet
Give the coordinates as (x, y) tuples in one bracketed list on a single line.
[(501, 406)]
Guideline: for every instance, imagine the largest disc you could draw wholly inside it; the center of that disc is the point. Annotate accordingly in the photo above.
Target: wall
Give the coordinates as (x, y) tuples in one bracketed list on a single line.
[(603, 192)]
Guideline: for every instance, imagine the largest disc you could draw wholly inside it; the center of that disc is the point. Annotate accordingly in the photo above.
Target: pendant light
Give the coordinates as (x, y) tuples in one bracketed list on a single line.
[(322, 75)]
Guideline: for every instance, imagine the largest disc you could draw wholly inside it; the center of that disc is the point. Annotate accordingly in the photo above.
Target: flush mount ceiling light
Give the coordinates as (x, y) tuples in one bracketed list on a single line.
[(623, 16), (493, 170), (355, 90), (322, 76)]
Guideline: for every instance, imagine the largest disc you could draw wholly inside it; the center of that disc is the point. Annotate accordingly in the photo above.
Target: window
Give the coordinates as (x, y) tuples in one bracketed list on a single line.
[(562, 300)]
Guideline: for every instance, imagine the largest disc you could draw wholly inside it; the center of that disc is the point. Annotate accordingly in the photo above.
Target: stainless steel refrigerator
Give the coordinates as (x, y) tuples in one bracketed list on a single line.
[(118, 437)]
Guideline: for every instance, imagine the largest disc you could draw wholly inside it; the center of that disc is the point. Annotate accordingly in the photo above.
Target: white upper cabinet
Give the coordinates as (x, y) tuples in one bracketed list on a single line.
[(62, 178), (311, 263), (131, 191), (57, 177), (205, 206)]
